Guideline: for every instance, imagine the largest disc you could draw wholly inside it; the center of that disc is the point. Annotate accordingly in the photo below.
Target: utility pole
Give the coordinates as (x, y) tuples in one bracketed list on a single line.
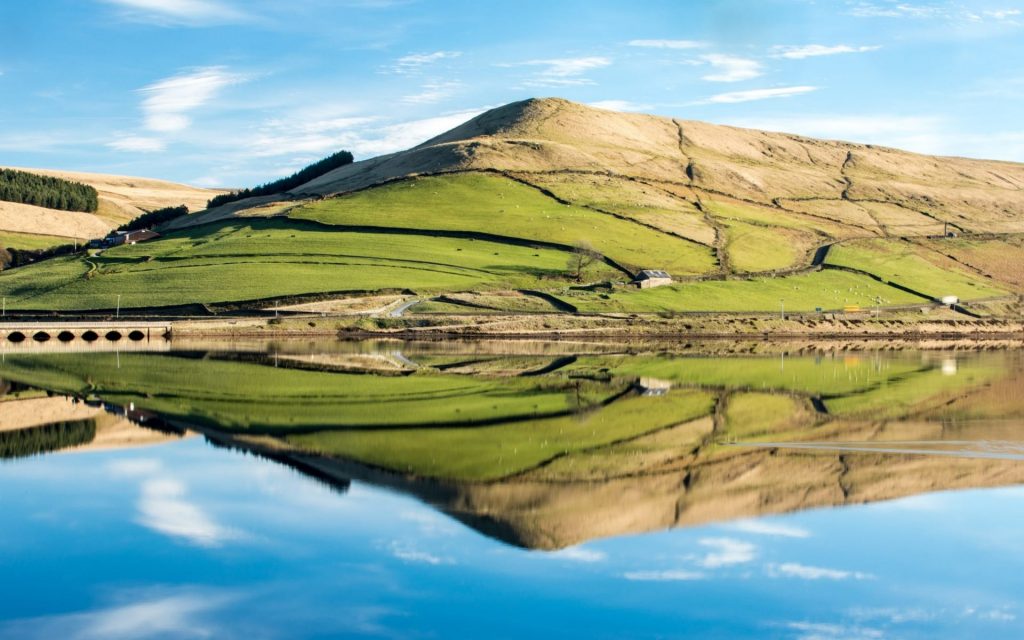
[(118, 312), (5, 308), (783, 303)]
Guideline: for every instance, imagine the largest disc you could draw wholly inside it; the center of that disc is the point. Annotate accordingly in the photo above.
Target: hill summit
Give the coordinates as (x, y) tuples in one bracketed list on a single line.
[(552, 135)]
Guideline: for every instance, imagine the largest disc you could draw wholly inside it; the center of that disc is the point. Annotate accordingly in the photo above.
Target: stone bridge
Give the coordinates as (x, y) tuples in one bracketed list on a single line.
[(87, 332)]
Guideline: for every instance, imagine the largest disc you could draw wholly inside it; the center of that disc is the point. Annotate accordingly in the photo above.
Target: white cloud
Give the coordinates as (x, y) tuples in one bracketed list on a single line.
[(727, 552), (415, 62), (670, 575), (730, 68), (178, 12), (134, 467), (167, 102), (578, 554), (824, 631), (815, 50), (563, 71), (411, 555), (768, 528), (897, 10), (178, 615), (364, 136), (804, 572), (668, 44), (733, 97), (137, 144), (620, 105), (163, 507), (1002, 14), (432, 92)]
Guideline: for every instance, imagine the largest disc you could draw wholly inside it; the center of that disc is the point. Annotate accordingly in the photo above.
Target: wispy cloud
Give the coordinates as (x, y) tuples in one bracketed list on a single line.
[(894, 9), (146, 615), (168, 101), (164, 508), (432, 92), (178, 12), (669, 575), (620, 105), (726, 552), (668, 44), (730, 68), (137, 144), (364, 136), (955, 12), (578, 554), (768, 528), (805, 572), (816, 50), (826, 631), (1003, 14), (559, 72), (406, 553), (756, 94), (416, 62)]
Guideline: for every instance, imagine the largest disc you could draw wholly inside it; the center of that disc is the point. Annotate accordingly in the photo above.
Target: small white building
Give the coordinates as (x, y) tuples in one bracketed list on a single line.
[(949, 301), (650, 278)]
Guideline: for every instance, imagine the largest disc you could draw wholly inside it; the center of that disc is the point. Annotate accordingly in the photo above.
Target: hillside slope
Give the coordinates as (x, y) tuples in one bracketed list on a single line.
[(745, 221), (122, 198)]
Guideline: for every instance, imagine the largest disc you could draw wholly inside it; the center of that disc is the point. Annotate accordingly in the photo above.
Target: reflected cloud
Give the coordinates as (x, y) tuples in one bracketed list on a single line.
[(163, 507), (134, 467), (407, 553), (727, 552), (671, 575), (823, 631), (768, 528), (183, 615), (578, 554), (805, 572)]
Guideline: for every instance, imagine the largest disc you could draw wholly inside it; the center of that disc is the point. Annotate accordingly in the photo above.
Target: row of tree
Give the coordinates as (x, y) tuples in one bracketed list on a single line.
[(315, 170), (153, 218), (46, 191)]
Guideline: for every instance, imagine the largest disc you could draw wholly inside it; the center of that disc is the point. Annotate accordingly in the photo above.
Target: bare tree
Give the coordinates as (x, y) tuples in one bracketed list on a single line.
[(583, 255)]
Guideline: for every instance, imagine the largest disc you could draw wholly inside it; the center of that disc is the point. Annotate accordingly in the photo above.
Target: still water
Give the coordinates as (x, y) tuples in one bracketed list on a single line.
[(503, 490)]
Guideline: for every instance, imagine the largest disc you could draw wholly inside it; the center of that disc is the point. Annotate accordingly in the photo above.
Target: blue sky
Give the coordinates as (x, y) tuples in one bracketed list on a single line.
[(233, 92)]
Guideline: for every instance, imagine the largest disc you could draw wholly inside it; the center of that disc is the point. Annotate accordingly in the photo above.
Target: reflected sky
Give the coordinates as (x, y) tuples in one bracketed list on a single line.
[(183, 539)]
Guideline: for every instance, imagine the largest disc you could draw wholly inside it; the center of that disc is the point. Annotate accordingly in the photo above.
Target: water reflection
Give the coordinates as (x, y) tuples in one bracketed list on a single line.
[(359, 466), (543, 447)]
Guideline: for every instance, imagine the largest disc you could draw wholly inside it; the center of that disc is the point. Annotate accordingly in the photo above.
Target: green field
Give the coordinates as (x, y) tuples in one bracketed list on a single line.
[(755, 248), (256, 259), (828, 289), (485, 203), (914, 267)]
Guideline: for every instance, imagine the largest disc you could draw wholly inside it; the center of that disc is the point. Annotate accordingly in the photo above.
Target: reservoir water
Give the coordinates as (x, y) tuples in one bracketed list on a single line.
[(510, 489)]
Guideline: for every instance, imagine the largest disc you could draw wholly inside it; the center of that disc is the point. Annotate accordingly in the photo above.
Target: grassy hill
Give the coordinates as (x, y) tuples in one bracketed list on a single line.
[(743, 220)]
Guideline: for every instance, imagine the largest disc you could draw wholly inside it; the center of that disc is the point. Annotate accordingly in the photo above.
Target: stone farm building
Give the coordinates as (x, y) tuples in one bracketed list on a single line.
[(649, 278)]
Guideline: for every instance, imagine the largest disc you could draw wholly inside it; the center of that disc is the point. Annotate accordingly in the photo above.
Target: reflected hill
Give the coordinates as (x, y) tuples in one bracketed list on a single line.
[(547, 449), (33, 423)]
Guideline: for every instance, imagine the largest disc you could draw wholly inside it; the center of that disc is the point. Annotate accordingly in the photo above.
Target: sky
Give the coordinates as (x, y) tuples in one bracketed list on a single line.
[(230, 93)]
